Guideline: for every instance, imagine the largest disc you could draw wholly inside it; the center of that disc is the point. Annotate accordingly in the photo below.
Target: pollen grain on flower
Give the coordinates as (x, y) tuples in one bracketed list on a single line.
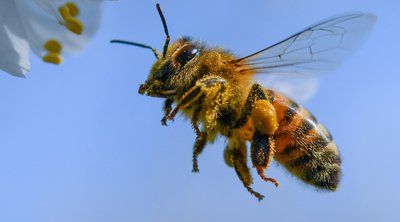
[(54, 49), (74, 25), (53, 57), (68, 12), (49, 28), (53, 45), (73, 9)]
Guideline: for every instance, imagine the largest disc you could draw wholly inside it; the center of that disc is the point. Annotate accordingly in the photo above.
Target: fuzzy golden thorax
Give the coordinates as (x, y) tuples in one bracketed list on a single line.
[(185, 62)]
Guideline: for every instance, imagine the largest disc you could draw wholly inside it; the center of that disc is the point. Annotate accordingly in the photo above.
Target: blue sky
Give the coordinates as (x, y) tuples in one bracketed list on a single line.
[(78, 143)]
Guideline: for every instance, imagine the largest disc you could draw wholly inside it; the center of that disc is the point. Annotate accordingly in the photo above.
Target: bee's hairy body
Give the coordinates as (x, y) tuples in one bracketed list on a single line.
[(215, 90), (214, 93)]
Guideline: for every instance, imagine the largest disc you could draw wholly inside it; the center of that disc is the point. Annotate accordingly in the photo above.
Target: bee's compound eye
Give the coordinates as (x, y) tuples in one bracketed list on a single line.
[(186, 55)]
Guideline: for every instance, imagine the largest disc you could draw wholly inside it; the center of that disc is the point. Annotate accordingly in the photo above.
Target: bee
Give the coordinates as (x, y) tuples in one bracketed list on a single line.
[(216, 90)]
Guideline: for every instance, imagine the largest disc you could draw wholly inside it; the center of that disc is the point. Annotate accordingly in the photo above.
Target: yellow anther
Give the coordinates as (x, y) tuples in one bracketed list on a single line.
[(74, 25), (64, 12), (53, 45), (52, 57), (73, 9)]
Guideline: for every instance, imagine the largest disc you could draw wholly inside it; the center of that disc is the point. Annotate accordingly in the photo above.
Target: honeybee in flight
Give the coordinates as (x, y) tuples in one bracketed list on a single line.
[(215, 89)]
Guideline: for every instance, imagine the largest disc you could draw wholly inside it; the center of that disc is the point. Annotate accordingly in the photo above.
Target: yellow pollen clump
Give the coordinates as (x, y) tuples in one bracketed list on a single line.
[(54, 49), (52, 57), (74, 25), (73, 9), (264, 117), (53, 45), (68, 12), (247, 131), (64, 12)]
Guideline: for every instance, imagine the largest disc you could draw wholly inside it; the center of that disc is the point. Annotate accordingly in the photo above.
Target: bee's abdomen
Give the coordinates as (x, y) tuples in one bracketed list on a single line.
[(303, 145)]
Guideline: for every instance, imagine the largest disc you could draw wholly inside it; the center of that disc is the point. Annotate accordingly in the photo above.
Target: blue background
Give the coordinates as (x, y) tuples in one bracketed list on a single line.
[(78, 143)]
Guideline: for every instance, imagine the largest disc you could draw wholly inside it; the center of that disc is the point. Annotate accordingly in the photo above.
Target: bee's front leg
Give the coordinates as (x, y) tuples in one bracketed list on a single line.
[(188, 98), (195, 96), (167, 110), (196, 92)]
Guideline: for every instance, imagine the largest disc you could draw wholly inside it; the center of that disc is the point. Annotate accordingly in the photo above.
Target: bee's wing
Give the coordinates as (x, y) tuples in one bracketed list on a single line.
[(299, 88), (316, 49)]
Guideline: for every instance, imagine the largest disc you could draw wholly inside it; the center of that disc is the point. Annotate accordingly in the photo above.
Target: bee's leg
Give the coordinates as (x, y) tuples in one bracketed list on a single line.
[(237, 157), (262, 152), (198, 147), (167, 110), (228, 157), (263, 115), (195, 92), (256, 93), (201, 138), (195, 116)]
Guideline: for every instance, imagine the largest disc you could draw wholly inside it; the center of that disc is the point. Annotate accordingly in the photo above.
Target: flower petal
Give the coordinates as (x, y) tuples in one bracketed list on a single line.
[(41, 22), (14, 48)]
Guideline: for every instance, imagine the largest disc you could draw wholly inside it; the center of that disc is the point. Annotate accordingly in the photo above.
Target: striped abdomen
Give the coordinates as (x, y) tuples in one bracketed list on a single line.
[(303, 145)]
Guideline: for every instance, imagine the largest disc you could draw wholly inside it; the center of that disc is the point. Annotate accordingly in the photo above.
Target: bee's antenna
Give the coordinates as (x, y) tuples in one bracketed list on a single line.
[(165, 29), (167, 39), (137, 44)]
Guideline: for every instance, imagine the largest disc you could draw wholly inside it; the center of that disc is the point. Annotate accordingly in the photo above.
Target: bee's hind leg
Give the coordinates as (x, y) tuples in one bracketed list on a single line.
[(258, 107), (237, 157), (262, 152), (256, 93)]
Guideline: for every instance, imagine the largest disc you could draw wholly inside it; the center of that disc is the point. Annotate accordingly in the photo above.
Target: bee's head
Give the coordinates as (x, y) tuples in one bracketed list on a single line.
[(172, 71), (168, 73)]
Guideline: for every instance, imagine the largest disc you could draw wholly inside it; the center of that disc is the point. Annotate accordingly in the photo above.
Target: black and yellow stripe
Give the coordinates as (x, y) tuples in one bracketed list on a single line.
[(303, 145)]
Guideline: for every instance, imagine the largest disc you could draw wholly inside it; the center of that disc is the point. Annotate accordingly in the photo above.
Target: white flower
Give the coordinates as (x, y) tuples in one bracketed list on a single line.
[(48, 27)]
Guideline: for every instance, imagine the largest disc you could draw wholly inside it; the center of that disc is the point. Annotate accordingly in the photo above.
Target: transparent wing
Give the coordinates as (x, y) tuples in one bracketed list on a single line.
[(316, 49), (299, 88)]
